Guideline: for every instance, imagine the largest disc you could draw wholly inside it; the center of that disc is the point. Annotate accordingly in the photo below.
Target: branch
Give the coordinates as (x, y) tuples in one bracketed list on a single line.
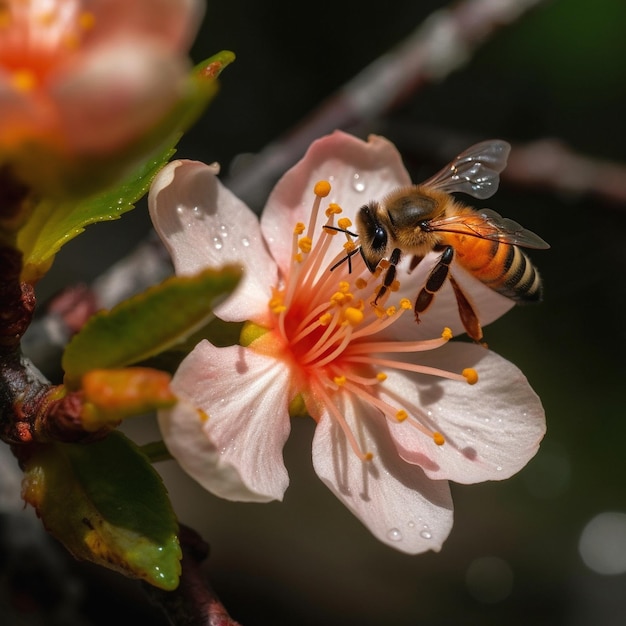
[(443, 43), (550, 164)]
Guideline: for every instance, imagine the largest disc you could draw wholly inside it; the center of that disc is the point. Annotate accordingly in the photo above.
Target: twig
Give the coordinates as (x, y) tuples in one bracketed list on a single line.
[(550, 164)]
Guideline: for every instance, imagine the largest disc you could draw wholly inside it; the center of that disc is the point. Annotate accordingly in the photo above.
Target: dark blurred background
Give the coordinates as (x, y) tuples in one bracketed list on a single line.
[(547, 547)]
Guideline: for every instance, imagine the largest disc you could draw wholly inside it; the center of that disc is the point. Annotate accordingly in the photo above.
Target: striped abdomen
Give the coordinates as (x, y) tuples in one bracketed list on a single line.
[(503, 267)]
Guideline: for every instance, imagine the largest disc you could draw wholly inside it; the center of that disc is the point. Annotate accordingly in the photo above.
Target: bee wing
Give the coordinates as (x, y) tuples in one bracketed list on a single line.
[(487, 224), (475, 172)]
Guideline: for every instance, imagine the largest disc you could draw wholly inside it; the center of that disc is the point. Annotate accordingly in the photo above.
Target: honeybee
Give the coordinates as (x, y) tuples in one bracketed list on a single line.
[(423, 218)]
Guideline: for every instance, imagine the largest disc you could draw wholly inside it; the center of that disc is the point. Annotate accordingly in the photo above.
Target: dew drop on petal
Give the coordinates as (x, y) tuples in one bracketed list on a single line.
[(426, 534), (224, 230), (394, 534), (357, 183), (180, 209), (245, 242), (197, 212), (411, 524), (218, 244)]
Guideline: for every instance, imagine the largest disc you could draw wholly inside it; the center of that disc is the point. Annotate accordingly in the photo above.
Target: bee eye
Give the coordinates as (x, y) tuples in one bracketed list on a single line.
[(379, 240)]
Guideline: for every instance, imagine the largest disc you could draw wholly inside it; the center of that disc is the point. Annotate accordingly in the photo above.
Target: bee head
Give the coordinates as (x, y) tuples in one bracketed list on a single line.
[(373, 235)]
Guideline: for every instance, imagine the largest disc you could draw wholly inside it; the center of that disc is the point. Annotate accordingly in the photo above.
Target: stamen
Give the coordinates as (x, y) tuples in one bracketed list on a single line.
[(330, 405), (439, 439), (389, 411), (321, 190), (408, 367), (471, 375), (401, 415)]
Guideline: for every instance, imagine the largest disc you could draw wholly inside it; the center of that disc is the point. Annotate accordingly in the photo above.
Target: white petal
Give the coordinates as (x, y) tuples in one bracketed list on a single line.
[(237, 452), (358, 172), (204, 225), (492, 429), (395, 500)]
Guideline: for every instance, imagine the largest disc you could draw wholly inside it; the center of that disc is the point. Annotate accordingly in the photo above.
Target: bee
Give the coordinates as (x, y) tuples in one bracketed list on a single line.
[(422, 218)]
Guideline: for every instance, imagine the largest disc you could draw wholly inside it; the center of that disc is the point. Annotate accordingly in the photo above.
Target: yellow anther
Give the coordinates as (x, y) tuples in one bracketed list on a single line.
[(405, 304), (446, 334), (359, 304), (349, 246), (299, 228), (368, 456), (321, 189), (471, 375), (391, 310), (86, 20), (333, 209), (339, 380), (344, 222), (381, 377), (23, 80), (305, 244), (353, 316), (383, 264), (338, 298), (395, 285), (344, 286), (298, 257), (361, 283), (439, 439), (204, 417), (325, 319), (401, 415)]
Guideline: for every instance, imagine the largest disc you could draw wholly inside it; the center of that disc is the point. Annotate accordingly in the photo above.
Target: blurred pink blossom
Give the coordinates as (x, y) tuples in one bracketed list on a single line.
[(87, 78)]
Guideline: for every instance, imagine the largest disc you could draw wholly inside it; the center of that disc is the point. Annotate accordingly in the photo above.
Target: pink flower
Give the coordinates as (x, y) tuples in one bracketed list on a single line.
[(89, 77), (396, 417)]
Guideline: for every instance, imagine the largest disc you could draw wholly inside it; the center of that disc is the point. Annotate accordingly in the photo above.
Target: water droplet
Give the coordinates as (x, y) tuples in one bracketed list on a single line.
[(426, 534), (499, 468), (411, 524), (180, 209), (245, 242), (394, 534), (218, 244), (224, 230), (197, 212), (357, 183)]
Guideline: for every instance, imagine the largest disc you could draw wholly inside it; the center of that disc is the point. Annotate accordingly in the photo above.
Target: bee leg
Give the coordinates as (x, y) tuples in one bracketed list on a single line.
[(434, 282), (390, 274), (467, 313)]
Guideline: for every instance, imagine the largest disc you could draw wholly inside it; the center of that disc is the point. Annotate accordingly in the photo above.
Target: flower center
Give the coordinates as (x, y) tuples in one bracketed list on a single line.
[(35, 36), (331, 325)]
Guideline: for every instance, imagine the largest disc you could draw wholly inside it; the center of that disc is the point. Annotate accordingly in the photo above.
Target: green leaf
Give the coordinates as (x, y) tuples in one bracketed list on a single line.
[(107, 504), (54, 223), (146, 324)]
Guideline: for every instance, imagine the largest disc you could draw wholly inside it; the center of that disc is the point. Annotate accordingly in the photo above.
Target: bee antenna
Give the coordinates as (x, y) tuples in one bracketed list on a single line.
[(348, 258), (340, 230)]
